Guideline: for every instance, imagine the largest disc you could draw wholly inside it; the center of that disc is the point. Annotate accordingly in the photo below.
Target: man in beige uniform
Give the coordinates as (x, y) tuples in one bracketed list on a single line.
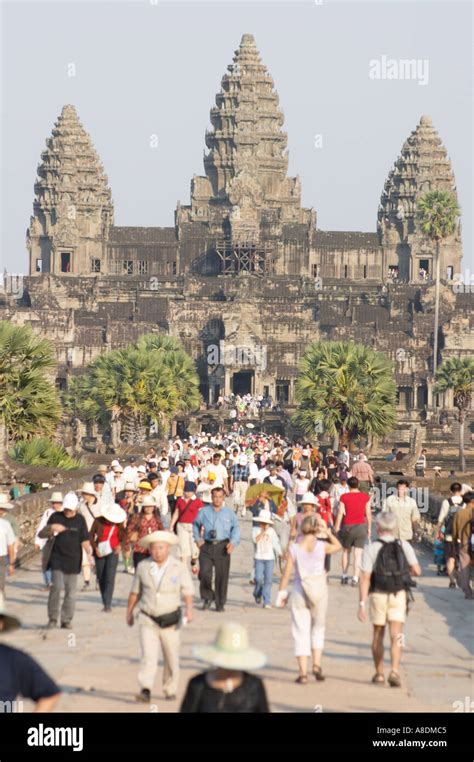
[(159, 583)]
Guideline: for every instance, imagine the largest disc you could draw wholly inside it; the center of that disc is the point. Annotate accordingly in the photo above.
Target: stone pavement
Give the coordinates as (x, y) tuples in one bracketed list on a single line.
[(96, 663)]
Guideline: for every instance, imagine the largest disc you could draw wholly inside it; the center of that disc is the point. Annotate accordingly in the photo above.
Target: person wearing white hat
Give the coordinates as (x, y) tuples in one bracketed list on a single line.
[(141, 525), (308, 506), (228, 687), (106, 536), (267, 547), (55, 504), (67, 531), (7, 544), (118, 480), (239, 482), (21, 675), (301, 486), (7, 514), (159, 584), (89, 508)]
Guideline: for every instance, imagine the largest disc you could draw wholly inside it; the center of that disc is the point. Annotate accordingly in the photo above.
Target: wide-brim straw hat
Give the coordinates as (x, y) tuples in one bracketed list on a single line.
[(113, 513), (159, 536), (56, 497), (5, 502), (231, 650), (10, 622), (145, 485), (88, 489), (147, 501), (129, 487), (309, 499)]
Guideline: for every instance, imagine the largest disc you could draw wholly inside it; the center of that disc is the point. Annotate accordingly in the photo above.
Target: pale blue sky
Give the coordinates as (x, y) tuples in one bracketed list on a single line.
[(144, 69)]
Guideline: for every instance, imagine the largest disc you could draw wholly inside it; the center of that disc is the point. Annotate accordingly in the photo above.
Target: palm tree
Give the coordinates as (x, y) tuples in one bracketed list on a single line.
[(349, 388), (153, 380), (29, 403), (437, 214), (457, 373)]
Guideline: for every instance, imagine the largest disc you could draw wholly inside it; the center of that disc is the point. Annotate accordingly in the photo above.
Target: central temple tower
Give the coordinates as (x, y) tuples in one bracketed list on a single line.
[(246, 200)]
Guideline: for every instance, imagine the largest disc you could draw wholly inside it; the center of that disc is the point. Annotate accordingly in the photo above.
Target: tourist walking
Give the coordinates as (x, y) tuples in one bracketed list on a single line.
[(68, 535), (309, 597), (267, 548), (362, 470), (160, 583), (420, 465), (308, 507), (89, 509), (449, 508), (175, 489), (55, 504), (353, 527), (228, 687), (463, 538), (21, 675), (405, 510), (145, 523), (106, 536), (220, 535), (7, 545), (239, 482), (386, 569), (301, 487), (186, 511)]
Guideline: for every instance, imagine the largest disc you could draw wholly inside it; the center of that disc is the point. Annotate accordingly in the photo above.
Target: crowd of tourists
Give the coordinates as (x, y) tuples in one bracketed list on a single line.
[(175, 517)]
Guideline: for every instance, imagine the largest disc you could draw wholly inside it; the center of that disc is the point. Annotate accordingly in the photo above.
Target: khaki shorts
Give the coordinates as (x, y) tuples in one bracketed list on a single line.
[(387, 607)]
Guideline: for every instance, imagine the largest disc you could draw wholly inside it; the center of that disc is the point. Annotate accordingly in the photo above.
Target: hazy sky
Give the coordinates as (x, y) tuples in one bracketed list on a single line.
[(145, 68)]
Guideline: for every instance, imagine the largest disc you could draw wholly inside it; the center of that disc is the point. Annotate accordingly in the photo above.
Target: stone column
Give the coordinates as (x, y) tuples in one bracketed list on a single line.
[(429, 385)]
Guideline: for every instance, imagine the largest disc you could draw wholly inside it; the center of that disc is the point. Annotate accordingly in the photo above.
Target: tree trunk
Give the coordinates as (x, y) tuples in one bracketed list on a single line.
[(462, 457), (436, 318), (115, 431)]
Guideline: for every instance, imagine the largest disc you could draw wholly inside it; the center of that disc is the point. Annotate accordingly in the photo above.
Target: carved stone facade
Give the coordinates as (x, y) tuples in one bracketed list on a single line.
[(244, 272)]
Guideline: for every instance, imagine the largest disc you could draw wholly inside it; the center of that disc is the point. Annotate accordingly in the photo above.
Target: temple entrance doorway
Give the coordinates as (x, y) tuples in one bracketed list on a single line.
[(242, 382)]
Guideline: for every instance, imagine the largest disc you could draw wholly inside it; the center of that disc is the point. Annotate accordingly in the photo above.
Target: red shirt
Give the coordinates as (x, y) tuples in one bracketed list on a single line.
[(354, 504), (188, 509), (114, 540)]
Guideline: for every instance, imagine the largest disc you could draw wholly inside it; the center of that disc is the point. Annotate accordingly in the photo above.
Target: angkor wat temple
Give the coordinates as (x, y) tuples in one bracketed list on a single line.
[(245, 267)]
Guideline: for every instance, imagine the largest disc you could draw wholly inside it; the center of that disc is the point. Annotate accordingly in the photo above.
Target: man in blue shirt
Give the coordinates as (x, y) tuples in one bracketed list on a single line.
[(216, 531)]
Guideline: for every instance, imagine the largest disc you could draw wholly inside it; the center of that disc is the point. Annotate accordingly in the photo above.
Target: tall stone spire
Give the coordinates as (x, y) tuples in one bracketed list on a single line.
[(422, 166), (247, 124), (247, 162), (73, 208)]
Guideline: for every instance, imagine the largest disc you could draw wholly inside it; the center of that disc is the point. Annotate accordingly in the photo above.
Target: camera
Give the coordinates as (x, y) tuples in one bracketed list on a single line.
[(212, 534)]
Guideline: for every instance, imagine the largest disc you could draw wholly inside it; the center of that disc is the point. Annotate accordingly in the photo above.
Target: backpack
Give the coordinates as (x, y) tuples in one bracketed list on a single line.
[(449, 520), (391, 572)]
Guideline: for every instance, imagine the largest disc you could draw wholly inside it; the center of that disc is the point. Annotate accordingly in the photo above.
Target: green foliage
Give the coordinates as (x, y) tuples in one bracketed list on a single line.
[(153, 380), (29, 402), (437, 214), (350, 388), (40, 451), (457, 374)]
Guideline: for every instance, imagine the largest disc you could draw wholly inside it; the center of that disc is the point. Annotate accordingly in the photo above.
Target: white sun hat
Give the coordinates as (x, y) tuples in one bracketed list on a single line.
[(88, 488), (309, 499), (265, 517), (113, 513), (5, 501), (231, 649), (115, 463), (56, 497)]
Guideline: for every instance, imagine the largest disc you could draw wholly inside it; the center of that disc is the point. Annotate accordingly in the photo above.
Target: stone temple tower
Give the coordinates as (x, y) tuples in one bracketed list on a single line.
[(422, 166), (246, 196), (72, 210)]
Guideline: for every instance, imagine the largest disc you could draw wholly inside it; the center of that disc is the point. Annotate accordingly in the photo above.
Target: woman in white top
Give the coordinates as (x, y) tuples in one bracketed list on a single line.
[(301, 486), (56, 504), (267, 546), (309, 597)]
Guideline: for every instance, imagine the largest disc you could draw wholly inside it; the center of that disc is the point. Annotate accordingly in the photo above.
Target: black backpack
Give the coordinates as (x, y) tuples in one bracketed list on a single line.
[(449, 520), (391, 572)]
